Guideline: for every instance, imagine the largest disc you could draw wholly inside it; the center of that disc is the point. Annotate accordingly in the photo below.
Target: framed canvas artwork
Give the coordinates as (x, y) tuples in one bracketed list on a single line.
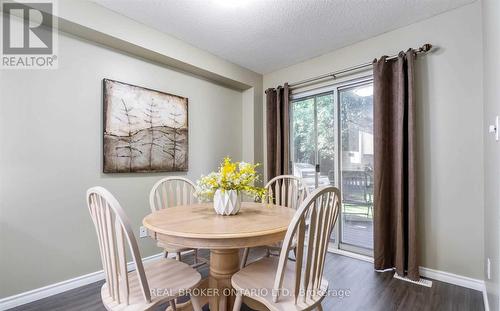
[(144, 130)]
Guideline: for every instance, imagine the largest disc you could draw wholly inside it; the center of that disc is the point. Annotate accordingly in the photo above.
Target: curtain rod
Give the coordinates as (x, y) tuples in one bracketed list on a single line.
[(332, 75)]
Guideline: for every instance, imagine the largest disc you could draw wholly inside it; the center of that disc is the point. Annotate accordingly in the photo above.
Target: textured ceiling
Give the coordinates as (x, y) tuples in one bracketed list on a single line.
[(266, 35)]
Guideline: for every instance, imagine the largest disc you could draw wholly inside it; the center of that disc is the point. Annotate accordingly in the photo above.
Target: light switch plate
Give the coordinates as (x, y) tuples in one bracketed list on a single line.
[(488, 269), (497, 129), (493, 129)]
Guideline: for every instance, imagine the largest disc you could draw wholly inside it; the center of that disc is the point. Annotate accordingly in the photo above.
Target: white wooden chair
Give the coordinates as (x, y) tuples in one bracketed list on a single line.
[(125, 290), (284, 190), (301, 283), (170, 192)]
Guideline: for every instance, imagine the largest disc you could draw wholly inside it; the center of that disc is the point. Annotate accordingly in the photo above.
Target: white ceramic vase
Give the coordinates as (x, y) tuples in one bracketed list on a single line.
[(227, 202)]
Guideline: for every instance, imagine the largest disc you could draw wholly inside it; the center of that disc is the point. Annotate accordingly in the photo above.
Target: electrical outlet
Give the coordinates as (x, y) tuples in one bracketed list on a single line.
[(488, 269), (143, 232)]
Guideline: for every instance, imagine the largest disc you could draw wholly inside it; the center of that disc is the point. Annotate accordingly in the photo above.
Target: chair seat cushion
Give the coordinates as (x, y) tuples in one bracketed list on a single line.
[(258, 279), (166, 279)]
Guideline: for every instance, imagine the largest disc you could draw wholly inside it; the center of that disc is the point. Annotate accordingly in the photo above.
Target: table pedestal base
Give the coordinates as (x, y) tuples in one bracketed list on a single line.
[(223, 264)]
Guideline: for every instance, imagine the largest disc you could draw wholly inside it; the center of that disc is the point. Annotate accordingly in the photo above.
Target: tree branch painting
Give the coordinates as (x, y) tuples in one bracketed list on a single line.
[(144, 130)]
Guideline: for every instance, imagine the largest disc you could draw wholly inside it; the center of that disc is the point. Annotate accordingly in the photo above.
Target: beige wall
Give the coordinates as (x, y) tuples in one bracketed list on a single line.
[(50, 138), (98, 24), (46, 234), (450, 124), (491, 44)]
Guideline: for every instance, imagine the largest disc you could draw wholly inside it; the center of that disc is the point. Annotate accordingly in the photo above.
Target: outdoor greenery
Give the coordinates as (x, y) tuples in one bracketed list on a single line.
[(303, 131), (355, 114)]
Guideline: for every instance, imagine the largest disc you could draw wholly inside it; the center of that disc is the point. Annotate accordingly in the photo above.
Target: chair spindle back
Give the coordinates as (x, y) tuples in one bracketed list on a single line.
[(286, 190), (172, 191), (312, 226), (113, 234)]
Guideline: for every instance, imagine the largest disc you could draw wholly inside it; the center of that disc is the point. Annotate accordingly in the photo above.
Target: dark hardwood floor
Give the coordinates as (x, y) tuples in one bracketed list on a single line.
[(353, 286)]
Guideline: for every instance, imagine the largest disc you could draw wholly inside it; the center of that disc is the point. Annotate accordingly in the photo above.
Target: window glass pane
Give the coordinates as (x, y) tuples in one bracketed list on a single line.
[(326, 139), (303, 141), (356, 115)]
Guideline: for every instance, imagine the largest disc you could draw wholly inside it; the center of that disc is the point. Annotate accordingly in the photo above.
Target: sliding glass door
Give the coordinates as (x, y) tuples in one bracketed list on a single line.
[(356, 123), (333, 129)]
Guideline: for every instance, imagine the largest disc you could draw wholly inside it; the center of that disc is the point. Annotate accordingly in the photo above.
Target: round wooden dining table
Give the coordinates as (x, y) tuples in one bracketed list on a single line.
[(198, 226)]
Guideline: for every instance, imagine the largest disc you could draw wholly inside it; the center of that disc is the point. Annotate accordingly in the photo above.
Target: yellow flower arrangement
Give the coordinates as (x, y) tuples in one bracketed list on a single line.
[(239, 176)]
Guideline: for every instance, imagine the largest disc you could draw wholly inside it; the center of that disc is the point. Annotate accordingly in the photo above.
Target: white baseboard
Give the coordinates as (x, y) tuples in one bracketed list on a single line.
[(57, 288), (457, 280), (451, 278)]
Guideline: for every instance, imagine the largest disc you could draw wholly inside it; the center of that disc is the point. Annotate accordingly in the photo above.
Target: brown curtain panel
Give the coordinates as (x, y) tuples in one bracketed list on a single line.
[(395, 215), (278, 131)]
